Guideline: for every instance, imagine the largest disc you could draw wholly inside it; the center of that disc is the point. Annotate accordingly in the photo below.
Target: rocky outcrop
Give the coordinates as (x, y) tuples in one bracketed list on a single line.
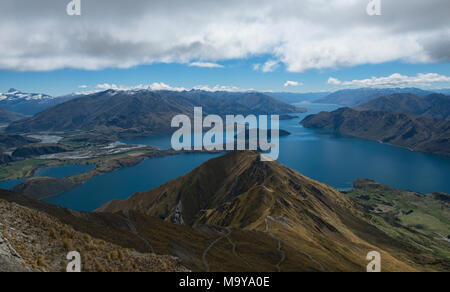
[(10, 260)]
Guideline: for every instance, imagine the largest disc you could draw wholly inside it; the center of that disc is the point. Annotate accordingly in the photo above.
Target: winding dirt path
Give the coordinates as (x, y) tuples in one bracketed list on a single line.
[(280, 250), (234, 247), (282, 253), (205, 261), (134, 230)]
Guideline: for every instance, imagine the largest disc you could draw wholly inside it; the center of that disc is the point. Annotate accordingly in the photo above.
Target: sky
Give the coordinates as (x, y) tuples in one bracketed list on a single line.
[(263, 45)]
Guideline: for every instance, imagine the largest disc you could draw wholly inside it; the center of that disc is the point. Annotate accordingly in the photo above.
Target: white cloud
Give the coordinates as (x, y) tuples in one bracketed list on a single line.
[(292, 83), (269, 66), (300, 35), (205, 65), (157, 86), (394, 80), (256, 67), (334, 81), (154, 86), (83, 86), (220, 88)]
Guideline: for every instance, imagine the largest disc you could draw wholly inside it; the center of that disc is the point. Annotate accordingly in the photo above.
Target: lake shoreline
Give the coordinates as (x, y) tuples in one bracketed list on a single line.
[(45, 187)]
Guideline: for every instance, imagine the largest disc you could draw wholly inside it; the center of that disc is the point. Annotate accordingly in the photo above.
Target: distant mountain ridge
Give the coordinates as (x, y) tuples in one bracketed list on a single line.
[(8, 116), (355, 97), (29, 104), (415, 132), (131, 114), (292, 97), (430, 106)]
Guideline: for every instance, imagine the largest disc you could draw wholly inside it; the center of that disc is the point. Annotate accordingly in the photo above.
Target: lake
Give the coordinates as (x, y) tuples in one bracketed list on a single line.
[(323, 156), (63, 171), (52, 171), (126, 181)]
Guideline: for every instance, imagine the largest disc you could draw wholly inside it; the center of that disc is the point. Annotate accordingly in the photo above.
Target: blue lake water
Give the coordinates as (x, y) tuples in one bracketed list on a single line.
[(124, 182), (63, 171), (10, 184), (323, 156), (53, 171)]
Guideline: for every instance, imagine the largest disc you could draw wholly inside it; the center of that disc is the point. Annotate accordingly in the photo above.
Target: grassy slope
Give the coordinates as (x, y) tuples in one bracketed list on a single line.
[(422, 221)]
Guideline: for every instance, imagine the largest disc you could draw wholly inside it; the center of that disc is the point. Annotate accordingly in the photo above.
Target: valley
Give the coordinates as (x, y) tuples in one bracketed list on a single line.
[(293, 224)]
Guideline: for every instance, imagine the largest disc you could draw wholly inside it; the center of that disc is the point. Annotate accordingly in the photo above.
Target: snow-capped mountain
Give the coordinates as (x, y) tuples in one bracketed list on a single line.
[(16, 95), (29, 104)]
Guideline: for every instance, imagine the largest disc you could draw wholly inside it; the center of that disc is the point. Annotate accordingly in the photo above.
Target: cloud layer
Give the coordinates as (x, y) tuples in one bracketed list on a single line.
[(302, 35), (394, 80), (162, 86)]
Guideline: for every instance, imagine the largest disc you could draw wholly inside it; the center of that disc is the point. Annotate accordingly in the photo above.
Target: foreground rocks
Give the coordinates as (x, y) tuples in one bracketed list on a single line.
[(10, 260)]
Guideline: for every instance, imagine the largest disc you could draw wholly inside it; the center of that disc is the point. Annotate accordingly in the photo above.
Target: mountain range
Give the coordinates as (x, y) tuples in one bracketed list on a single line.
[(29, 104), (431, 106), (291, 97), (131, 114), (355, 97), (402, 129)]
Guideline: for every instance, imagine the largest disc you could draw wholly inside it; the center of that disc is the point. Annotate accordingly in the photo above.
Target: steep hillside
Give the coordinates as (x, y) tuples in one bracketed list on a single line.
[(130, 114), (431, 106), (239, 191), (406, 130), (355, 97), (31, 240), (205, 248), (7, 117)]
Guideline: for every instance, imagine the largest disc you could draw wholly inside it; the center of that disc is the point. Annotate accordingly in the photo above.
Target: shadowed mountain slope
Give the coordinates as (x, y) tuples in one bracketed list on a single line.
[(355, 97), (8, 116), (431, 106), (130, 114), (12, 141), (401, 129)]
